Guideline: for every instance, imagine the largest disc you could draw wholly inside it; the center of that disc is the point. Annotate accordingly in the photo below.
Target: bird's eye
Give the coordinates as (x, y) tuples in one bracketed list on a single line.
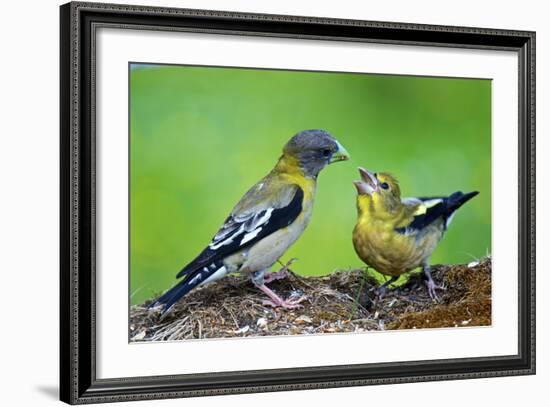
[(384, 185), (326, 153)]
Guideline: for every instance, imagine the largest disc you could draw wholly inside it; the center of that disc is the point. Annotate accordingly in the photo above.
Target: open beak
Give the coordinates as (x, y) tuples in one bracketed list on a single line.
[(368, 183), (340, 155)]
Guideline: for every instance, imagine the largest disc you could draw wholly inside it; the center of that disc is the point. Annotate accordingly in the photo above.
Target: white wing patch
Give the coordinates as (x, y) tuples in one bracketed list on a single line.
[(251, 235), (264, 218), (246, 227), (432, 202), (423, 206), (219, 240)]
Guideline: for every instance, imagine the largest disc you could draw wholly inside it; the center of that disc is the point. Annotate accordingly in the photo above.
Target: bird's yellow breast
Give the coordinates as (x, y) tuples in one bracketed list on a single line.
[(392, 253)]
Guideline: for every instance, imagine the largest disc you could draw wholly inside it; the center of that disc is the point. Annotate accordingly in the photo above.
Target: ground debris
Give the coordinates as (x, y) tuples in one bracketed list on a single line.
[(233, 307)]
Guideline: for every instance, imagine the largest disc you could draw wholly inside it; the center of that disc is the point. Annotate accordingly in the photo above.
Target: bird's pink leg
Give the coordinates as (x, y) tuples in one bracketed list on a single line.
[(431, 285), (277, 301), (281, 274)]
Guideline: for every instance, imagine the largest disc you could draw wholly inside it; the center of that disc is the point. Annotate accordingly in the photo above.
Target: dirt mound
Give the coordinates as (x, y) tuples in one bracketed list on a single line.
[(344, 301)]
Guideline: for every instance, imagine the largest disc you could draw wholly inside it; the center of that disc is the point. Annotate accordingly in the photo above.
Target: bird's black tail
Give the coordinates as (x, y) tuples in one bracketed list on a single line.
[(173, 295), (193, 277), (458, 199), (454, 202)]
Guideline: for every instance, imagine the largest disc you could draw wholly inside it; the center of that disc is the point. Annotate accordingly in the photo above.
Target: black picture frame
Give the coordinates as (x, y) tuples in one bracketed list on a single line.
[(78, 382)]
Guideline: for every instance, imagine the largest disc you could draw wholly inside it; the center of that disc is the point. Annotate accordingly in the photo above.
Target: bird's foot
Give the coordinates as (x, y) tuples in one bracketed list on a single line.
[(432, 287), (380, 292), (276, 301), (286, 304), (281, 274)]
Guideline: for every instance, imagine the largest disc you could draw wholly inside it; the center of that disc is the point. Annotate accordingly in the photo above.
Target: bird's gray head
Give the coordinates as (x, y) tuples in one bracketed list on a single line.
[(313, 150)]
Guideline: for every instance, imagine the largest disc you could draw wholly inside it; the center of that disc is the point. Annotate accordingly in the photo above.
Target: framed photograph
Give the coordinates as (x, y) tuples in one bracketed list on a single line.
[(255, 203)]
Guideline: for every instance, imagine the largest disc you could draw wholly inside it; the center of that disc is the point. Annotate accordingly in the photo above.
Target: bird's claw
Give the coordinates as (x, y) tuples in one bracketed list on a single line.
[(432, 287), (380, 292), (286, 304)]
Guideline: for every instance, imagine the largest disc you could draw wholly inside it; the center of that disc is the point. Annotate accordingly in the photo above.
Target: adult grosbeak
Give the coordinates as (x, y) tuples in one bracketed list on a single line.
[(267, 220), (395, 235)]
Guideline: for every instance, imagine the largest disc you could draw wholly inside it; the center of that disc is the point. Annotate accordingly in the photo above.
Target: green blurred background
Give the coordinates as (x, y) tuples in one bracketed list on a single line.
[(201, 136)]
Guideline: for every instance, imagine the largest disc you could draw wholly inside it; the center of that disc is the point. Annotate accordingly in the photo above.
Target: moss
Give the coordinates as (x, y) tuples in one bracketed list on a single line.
[(467, 303)]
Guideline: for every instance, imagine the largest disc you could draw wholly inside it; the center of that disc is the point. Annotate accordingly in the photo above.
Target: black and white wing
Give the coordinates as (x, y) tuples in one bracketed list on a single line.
[(254, 218), (248, 223), (429, 210)]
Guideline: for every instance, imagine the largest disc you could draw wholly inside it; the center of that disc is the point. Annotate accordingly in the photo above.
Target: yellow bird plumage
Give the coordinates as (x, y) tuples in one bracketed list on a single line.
[(266, 221), (395, 235)]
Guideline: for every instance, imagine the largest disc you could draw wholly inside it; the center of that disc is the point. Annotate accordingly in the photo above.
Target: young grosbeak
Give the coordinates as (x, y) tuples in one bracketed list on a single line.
[(395, 235)]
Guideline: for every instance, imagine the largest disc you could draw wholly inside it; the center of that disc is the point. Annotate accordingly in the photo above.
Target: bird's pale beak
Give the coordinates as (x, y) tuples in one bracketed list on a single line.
[(368, 183), (340, 155)]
